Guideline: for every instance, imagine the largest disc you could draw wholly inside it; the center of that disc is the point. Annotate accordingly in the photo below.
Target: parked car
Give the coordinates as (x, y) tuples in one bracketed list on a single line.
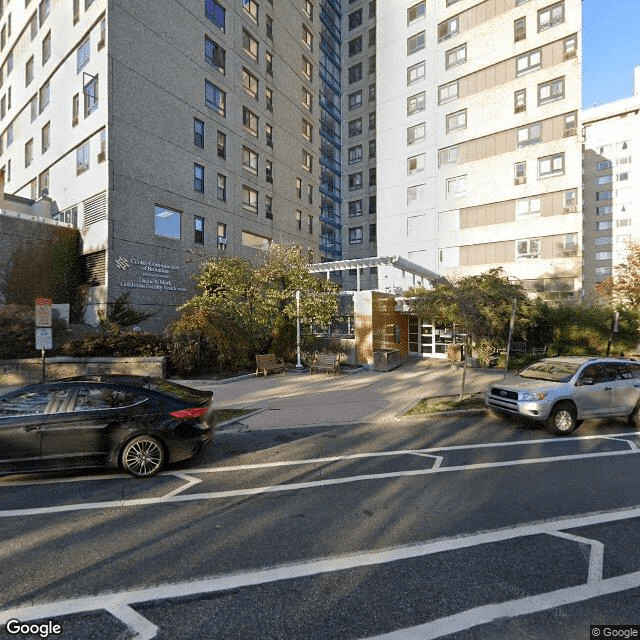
[(138, 424), (564, 391)]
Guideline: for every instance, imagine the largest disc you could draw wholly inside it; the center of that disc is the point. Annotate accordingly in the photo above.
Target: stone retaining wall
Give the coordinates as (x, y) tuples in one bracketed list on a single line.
[(25, 371)]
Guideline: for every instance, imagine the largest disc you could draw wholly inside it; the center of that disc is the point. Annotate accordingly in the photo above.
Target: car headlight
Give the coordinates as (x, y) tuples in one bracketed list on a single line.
[(527, 396)]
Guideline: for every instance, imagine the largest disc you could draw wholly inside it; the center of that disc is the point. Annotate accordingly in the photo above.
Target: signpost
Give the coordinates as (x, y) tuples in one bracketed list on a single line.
[(44, 332)]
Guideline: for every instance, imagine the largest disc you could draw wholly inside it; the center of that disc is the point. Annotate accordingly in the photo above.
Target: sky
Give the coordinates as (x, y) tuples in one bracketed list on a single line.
[(610, 49)]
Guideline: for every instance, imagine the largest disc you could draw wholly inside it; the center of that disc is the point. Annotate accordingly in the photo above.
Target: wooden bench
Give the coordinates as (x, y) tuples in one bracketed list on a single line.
[(267, 362), (326, 362)]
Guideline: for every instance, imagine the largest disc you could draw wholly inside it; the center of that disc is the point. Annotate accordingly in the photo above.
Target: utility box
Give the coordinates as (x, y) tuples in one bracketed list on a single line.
[(386, 359), (455, 352)]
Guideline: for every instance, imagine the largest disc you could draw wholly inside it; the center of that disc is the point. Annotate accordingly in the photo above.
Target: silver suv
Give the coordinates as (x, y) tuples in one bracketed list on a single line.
[(564, 391)]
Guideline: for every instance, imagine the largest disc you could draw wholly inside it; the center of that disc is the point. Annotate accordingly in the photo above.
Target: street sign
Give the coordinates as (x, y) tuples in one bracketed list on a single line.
[(44, 338), (43, 312)]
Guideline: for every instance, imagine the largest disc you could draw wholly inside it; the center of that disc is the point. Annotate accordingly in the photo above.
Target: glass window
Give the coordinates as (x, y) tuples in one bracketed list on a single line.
[(416, 12), (530, 134), (355, 19), (214, 54), (519, 29), (167, 222), (355, 208), (520, 101), (355, 99), (90, 96), (527, 249), (215, 12), (551, 16), (250, 160), (415, 164), (457, 120), (249, 199), (249, 44), (415, 73), (457, 186), (448, 29), (355, 154), (250, 83), (456, 56), (83, 54), (82, 158), (355, 181), (355, 235), (416, 43), (550, 91), (448, 155), (251, 9), (448, 92), (416, 134), (355, 127), (551, 165), (198, 133), (215, 98), (221, 188), (250, 121), (416, 103), (355, 73), (198, 230), (221, 144), (198, 178), (46, 48), (528, 62), (355, 46)]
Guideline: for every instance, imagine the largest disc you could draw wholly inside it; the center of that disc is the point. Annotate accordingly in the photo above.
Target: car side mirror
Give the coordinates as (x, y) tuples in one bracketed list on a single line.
[(585, 381)]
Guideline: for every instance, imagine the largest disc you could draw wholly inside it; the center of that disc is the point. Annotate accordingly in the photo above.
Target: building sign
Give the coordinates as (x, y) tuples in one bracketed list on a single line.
[(146, 274)]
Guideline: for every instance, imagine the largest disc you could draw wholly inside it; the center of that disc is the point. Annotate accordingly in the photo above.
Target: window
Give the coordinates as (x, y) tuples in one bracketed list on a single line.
[(75, 109), (299, 219), (250, 83), (570, 200), (268, 132), (307, 99), (448, 92), (355, 73), (603, 195), (355, 235), (372, 233), (221, 144), (268, 171), (33, 26), (415, 73), (416, 103), (355, 99), (308, 9), (372, 177), (221, 187), (299, 188), (307, 38), (355, 19), (519, 29), (268, 25), (448, 156), (528, 207), (604, 225), (355, 208), (448, 29), (607, 179), (528, 62), (103, 33), (268, 61), (457, 120), (268, 98), (623, 176), (520, 173), (250, 121), (83, 54), (28, 71), (215, 12), (45, 137), (82, 158), (102, 154), (372, 148), (43, 10), (44, 96), (603, 240), (372, 37), (416, 134), (310, 224), (415, 164), (307, 68), (28, 152), (251, 9), (43, 182), (603, 164), (570, 47), (249, 44), (250, 160), (249, 199), (570, 125), (214, 54), (355, 127), (90, 96), (307, 161), (198, 178), (520, 101), (372, 120), (355, 181), (310, 193), (355, 46), (167, 222), (372, 92), (527, 249), (268, 207), (215, 98), (198, 133), (416, 43), (46, 48), (551, 165), (531, 134), (550, 91), (604, 255), (355, 154), (221, 236), (604, 210), (416, 12), (551, 16), (456, 186), (456, 56), (198, 230)]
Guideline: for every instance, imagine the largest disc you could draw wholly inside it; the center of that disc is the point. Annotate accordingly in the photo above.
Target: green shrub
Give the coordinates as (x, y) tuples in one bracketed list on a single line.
[(129, 344)]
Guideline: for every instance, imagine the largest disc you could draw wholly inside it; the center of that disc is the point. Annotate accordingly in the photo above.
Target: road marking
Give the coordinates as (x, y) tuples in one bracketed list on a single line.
[(596, 557), (121, 600), (145, 628), (190, 481), (631, 443), (297, 486)]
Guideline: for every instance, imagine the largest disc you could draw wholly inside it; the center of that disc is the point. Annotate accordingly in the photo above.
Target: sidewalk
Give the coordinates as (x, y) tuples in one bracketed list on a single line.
[(304, 400)]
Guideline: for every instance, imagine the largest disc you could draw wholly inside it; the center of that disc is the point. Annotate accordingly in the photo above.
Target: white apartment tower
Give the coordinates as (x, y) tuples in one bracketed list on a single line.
[(611, 185), (167, 132), (478, 150)]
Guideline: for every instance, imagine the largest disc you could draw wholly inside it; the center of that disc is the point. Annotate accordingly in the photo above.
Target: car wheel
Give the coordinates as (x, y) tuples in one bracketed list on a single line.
[(562, 419), (634, 418), (143, 456)]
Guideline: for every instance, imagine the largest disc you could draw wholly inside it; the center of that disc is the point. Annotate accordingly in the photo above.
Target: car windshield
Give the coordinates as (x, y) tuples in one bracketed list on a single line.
[(552, 371)]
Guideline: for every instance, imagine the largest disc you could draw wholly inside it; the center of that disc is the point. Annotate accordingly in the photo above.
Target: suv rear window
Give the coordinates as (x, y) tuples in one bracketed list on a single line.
[(552, 371)]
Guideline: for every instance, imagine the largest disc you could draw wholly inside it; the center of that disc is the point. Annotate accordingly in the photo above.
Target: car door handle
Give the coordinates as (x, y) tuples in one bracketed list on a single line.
[(32, 428), (608, 388)]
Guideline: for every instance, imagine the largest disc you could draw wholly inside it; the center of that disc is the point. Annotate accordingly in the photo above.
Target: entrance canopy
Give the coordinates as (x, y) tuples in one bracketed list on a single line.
[(402, 264)]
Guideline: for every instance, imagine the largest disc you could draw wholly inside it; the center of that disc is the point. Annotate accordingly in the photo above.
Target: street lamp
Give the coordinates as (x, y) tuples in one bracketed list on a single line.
[(299, 364)]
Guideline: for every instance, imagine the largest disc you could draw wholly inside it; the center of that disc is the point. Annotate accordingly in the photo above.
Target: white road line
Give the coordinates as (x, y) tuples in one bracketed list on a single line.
[(109, 601), (282, 488), (145, 628), (596, 557), (190, 482), (631, 443), (513, 608)]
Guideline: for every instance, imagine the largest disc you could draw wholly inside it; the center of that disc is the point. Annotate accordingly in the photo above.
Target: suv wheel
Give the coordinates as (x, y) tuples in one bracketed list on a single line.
[(562, 419)]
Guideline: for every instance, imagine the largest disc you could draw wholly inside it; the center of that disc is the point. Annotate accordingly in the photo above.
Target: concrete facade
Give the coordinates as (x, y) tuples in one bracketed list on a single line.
[(478, 149), (611, 133)]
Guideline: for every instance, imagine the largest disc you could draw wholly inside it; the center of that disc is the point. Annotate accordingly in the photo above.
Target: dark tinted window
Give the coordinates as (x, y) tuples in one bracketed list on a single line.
[(629, 370), (25, 403), (92, 397), (599, 373)]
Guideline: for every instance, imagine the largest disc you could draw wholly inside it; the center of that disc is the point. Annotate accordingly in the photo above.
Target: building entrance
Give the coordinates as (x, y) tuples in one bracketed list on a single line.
[(431, 340)]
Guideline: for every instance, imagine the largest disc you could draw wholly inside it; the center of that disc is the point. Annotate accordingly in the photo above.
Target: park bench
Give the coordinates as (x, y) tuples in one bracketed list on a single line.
[(329, 362), (267, 362)]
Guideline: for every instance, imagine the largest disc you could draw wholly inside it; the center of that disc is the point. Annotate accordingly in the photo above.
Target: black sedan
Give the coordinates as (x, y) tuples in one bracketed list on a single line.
[(138, 424)]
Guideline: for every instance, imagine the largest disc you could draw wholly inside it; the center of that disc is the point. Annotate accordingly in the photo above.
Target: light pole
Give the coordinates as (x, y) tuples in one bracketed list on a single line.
[(299, 364)]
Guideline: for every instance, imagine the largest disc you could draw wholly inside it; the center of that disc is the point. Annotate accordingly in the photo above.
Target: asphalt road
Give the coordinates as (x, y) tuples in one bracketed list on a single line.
[(465, 528)]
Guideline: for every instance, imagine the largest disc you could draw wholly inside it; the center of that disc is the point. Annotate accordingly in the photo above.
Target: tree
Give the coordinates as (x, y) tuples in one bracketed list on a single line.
[(481, 304), (121, 314), (258, 300), (623, 289)]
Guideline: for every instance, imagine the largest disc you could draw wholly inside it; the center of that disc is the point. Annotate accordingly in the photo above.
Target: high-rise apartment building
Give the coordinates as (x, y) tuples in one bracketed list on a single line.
[(478, 150), (166, 134), (611, 186)]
